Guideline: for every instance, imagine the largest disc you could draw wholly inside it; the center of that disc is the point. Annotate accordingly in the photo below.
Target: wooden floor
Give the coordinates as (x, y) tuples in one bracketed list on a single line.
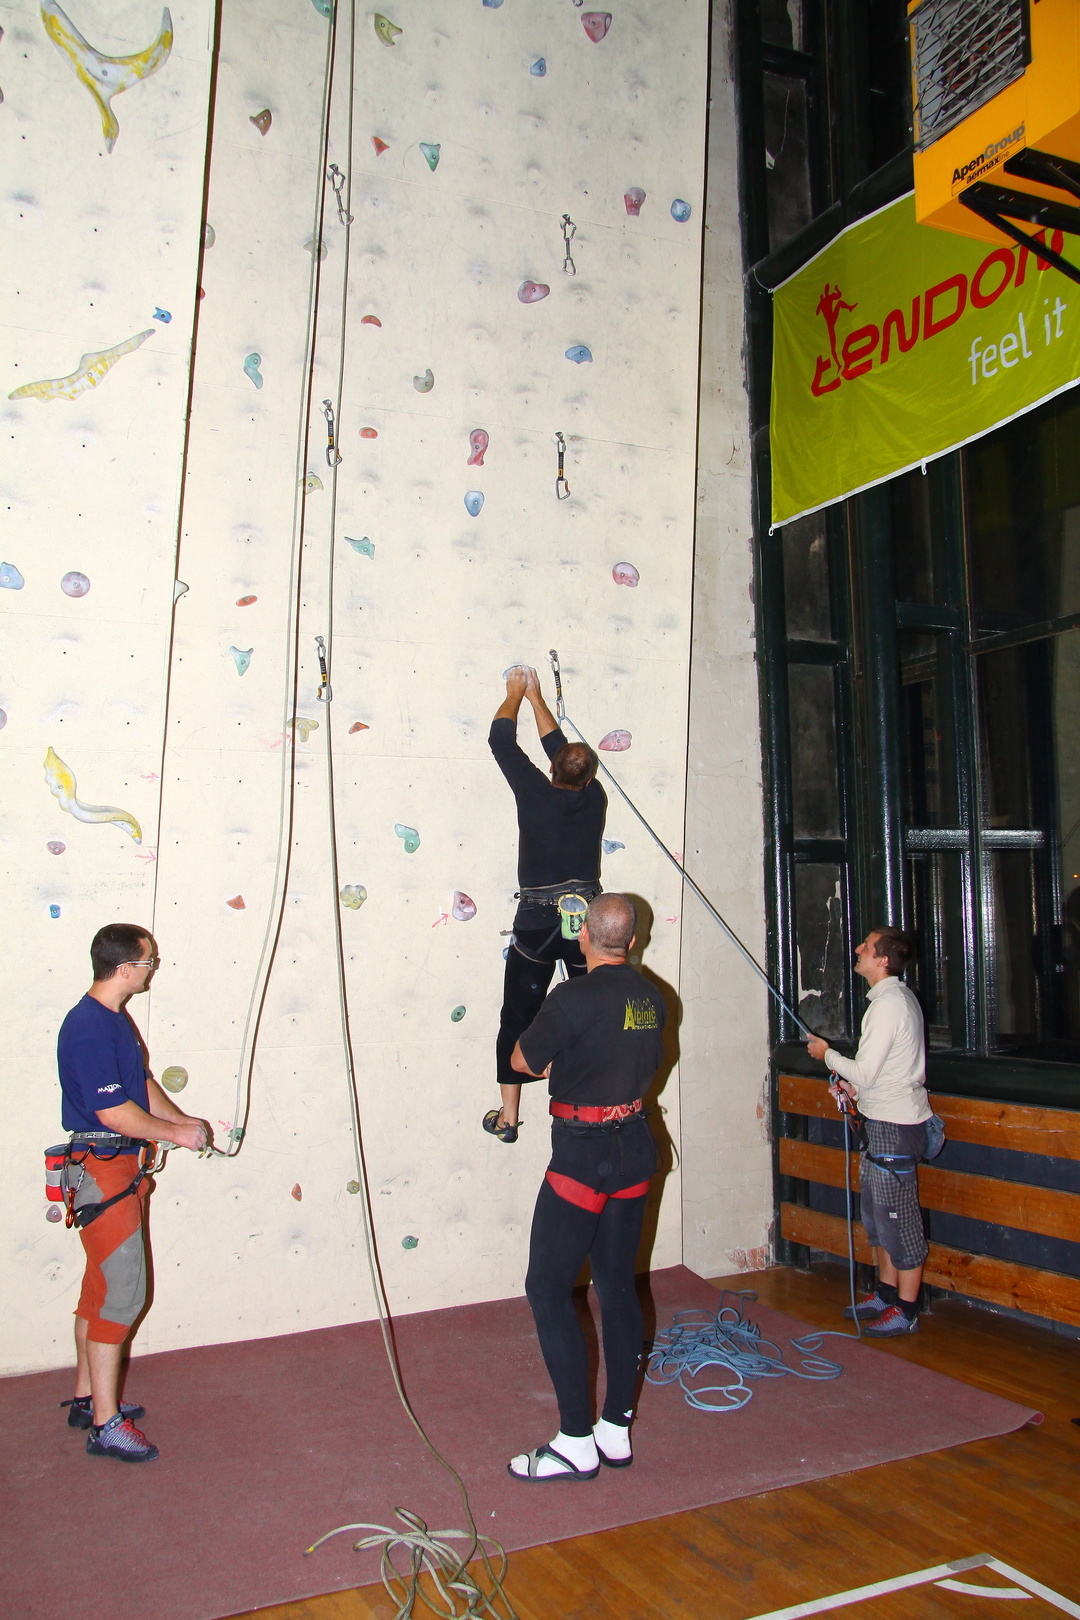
[(1016, 1497)]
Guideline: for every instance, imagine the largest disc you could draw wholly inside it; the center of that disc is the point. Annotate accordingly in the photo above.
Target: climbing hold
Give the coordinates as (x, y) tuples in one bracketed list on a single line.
[(245, 601), (409, 1242), (236, 903), (426, 383), (409, 837), (352, 1186), (615, 742), (251, 369), (174, 1078), (236, 1134), (209, 235), (311, 483), (680, 211), (60, 781), (325, 8), (74, 584), (610, 845), (262, 120), (380, 146), (3, 718), (579, 353), (179, 589), (10, 578), (162, 315), (298, 1192), (353, 895), (633, 200), (493, 5), (538, 68), (369, 433), (457, 1015), (87, 374), (105, 76), (474, 500), (478, 443), (385, 28), (431, 153), (54, 1213), (463, 908), (303, 727), (531, 292), (54, 911), (365, 547), (370, 320), (315, 244), (625, 574), (55, 847), (241, 659), (358, 725), (596, 24)]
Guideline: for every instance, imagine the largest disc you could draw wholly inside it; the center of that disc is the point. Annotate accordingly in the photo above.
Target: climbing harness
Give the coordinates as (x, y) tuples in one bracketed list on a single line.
[(569, 231), (106, 1145), (562, 488), (333, 455), (571, 900), (324, 694), (697, 1340), (337, 180)]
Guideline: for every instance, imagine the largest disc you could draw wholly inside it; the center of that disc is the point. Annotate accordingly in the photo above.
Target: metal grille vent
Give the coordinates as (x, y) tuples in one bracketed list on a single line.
[(964, 52)]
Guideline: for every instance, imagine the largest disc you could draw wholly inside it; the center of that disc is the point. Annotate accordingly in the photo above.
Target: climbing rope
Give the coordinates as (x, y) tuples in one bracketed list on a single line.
[(429, 1554), (697, 1340)]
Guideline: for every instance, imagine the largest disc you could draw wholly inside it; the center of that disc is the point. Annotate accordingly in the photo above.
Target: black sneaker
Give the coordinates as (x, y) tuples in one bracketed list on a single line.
[(867, 1310), (81, 1415), (120, 1438), (505, 1133)]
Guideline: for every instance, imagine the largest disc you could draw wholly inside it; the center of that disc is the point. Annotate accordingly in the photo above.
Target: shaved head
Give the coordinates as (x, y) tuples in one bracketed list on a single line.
[(611, 921)]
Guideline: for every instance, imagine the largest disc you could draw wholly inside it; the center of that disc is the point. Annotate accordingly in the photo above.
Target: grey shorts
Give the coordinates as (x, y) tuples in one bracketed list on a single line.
[(890, 1202)]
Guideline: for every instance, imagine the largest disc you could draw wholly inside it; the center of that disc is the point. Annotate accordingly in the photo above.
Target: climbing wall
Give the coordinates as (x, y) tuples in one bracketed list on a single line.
[(522, 262)]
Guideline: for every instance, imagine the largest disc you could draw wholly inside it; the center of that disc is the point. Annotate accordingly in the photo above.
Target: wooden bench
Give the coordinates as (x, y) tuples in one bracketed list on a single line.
[(1052, 1131)]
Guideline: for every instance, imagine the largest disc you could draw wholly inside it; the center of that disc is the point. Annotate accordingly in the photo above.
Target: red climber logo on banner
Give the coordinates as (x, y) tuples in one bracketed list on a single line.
[(898, 343)]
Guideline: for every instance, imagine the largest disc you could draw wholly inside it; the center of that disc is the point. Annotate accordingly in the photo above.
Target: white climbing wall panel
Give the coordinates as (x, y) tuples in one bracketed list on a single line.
[(464, 158)]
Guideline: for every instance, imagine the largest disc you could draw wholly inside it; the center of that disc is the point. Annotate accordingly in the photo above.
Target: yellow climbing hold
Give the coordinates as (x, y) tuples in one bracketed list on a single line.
[(385, 28)]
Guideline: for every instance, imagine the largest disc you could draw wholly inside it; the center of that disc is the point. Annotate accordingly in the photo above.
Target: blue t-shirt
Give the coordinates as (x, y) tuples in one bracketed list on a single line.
[(100, 1062)]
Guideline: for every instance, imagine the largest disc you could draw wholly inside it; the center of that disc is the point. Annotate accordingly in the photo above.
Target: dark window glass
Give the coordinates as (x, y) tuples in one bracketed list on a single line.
[(814, 793), (806, 579), (823, 953), (1023, 504), (782, 23), (787, 166), (913, 558), (1009, 909), (889, 79), (1013, 694), (931, 797), (936, 887)]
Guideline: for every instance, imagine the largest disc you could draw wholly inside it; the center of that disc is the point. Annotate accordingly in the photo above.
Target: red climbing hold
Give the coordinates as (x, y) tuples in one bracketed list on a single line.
[(370, 320), (380, 146), (596, 24)]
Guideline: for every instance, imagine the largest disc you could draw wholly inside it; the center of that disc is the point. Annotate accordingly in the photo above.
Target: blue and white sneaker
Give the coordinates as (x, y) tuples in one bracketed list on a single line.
[(867, 1310), (81, 1415), (891, 1324), (120, 1438)]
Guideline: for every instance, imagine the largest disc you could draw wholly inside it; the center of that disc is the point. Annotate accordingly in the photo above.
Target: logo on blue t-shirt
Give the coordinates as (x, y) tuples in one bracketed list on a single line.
[(640, 1015)]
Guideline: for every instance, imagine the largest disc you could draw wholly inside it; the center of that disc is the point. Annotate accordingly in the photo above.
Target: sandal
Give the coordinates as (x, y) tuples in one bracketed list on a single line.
[(614, 1462), (505, 1133), (570, 1472)]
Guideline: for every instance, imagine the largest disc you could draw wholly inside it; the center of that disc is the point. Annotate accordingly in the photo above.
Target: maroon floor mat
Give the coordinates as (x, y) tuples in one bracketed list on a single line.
[(268, 1443)]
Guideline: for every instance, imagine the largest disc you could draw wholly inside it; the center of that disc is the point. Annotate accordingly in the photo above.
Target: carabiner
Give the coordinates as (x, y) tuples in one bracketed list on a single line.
[(324, 694), (569, 231), (333, 455), (337, 180), (560, 707), (562, 488)]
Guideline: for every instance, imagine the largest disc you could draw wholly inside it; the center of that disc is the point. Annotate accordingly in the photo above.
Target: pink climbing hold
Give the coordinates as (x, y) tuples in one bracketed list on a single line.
[(380, 146), (625, 574), (478, 443), (531, 292), (596, 24), (616, 742), (633, 200), (463, 908), (370, 320)]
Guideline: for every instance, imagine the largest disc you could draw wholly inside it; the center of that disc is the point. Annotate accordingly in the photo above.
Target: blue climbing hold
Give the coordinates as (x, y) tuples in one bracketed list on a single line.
[(610, 845), (365, 547), (680, 211), (579, 353), (241, 659), (493, 5), (474, 500), (538, 68), (162, 315), (251, 369), (12, 580), (54, 911)]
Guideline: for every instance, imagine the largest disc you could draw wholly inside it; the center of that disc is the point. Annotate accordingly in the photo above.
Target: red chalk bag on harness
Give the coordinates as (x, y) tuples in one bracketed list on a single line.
[(54, 1165)]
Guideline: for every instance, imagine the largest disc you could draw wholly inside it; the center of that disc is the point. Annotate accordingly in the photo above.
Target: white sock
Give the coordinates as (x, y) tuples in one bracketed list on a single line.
[(612, 1439), (579, 1449)]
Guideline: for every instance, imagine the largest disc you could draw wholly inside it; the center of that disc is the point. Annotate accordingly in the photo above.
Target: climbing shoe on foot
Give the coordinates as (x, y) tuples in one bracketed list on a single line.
[(120, 1438), (867, 1310), (81, 1415), (891, 1324), (505, 1133)]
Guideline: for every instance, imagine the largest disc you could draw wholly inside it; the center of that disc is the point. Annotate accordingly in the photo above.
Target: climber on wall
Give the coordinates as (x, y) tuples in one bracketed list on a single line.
[(560, 824)]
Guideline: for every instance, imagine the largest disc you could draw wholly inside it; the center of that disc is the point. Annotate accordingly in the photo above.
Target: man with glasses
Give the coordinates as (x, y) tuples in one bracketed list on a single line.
[(114, 1109)]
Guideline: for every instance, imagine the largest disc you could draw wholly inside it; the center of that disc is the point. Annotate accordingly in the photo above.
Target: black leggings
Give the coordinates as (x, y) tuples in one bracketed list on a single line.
[(607, 1159), (525, 984)]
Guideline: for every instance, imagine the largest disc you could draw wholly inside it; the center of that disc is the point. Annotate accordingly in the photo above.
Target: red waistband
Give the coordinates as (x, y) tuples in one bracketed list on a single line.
[(595, 1116)]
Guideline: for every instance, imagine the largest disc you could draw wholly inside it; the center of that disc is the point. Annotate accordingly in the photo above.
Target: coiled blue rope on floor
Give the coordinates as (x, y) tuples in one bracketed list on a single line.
[(697, 1340)]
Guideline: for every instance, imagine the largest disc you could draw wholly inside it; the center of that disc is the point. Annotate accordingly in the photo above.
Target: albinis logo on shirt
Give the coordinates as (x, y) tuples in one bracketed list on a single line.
[(640, 1015)]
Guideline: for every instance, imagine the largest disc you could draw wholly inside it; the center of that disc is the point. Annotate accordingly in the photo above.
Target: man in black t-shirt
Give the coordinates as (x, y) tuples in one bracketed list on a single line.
[(598, 1040), (560, 824)]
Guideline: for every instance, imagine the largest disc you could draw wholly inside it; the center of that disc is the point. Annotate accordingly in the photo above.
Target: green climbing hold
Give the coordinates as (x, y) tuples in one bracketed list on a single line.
[(431, 152), (409, 1242), (352, 1186), (457, 1015)]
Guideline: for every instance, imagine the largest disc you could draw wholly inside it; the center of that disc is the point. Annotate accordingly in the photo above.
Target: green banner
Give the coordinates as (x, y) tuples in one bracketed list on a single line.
[(900, 342)]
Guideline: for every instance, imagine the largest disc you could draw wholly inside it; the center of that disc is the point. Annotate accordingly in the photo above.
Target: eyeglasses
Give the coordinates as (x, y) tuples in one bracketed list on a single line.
[(155, 961)]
